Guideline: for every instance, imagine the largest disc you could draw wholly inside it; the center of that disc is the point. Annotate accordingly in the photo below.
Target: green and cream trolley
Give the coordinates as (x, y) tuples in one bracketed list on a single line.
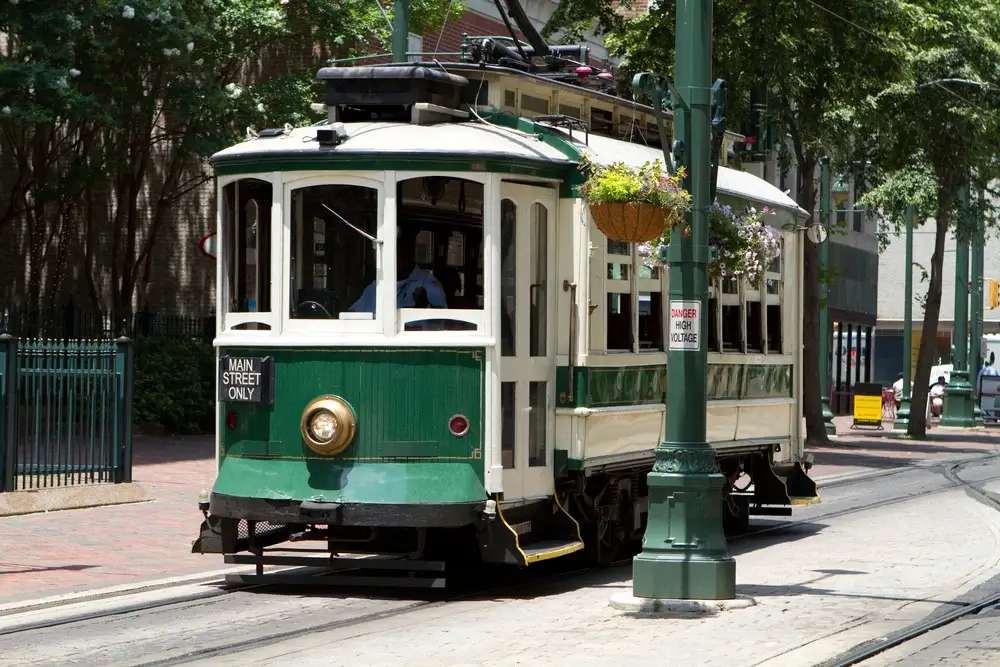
[(427, 349)]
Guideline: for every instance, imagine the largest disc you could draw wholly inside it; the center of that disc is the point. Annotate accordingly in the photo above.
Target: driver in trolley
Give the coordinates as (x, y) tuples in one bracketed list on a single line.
[(418, 289)]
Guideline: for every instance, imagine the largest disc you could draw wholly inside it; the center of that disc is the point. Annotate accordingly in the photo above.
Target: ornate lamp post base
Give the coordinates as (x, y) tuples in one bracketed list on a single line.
[(958, 403), (828, 424), (902, 420), (684, 553)]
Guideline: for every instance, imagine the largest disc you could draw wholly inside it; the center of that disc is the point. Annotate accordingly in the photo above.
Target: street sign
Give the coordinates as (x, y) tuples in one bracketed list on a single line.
[(209, 246), (685, 325)]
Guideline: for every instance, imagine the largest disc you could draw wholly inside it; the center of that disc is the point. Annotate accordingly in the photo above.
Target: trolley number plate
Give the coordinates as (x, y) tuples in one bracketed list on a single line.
[(246, 380)]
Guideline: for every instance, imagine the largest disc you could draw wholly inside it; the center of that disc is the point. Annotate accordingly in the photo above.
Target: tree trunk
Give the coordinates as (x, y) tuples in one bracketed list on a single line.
[(928, 336), (812, 405)]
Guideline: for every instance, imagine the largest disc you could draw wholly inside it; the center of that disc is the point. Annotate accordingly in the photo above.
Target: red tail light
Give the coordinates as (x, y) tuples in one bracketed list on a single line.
[(231, 420), (458, 425)]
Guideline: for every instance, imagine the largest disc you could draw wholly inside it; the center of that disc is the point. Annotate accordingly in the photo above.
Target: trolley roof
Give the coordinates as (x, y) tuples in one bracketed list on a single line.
[(465, 140)]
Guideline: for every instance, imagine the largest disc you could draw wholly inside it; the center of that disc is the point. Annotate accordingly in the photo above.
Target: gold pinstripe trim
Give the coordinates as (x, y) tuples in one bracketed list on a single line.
[(383, 459)]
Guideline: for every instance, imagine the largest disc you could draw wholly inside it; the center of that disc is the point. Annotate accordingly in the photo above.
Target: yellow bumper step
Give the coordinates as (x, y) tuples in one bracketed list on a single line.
[(547, 549)]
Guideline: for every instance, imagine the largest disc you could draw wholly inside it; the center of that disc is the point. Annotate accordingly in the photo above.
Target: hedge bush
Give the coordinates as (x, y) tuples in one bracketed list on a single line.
[(175, 385)]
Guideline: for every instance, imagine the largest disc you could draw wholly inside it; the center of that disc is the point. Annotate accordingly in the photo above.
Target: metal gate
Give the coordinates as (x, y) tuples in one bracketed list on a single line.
[(65, 412)]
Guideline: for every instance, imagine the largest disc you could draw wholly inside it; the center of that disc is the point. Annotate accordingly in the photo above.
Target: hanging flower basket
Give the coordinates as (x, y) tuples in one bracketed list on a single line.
[(746, 244), (635, 204)]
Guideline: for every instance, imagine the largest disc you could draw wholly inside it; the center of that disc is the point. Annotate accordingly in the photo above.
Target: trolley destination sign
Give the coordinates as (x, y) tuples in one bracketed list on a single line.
[(685, 325), (246, 379)]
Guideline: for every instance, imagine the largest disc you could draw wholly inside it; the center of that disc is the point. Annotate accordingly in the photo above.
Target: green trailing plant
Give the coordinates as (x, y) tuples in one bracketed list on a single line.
[(745, 243), (648, 184)]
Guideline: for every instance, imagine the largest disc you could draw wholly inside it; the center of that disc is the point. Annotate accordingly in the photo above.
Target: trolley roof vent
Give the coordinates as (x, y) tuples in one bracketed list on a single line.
[(401, 93)]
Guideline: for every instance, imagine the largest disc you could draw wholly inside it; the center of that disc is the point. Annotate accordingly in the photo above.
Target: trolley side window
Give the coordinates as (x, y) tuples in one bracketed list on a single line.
[(332, 256), (773, 294), (440, 254), (634, 300), (246, 252)]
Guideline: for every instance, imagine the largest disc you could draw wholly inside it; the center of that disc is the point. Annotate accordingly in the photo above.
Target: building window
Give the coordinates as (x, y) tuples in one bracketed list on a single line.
[(634, 299), (414, 44)]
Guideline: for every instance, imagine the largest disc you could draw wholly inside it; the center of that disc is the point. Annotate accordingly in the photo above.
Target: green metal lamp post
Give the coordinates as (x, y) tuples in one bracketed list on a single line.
[(958, 399), (824, 296), (400, 30), (684, 551), (976, 324), (902, 421)]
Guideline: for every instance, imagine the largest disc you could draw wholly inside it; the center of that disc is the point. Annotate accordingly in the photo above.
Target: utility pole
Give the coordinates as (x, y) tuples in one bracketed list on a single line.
[(902, 421), (824, 296), (400, 30), (958, 396), (684, 551)]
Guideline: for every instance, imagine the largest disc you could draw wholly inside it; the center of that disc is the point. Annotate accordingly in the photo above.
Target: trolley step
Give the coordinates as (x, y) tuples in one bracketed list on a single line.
[(547, 549)]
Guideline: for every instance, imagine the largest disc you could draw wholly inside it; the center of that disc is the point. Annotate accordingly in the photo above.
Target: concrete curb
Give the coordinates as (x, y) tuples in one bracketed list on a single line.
[(630, 603), (120, 590), (32, 501)]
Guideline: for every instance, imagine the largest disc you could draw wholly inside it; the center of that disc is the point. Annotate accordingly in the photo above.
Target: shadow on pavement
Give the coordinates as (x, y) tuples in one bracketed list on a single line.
[(20, 568)]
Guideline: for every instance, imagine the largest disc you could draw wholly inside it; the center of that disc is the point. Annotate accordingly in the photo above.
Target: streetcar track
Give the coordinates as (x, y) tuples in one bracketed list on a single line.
[(949, 472), (955, 484), (870, 649), (260, 642)]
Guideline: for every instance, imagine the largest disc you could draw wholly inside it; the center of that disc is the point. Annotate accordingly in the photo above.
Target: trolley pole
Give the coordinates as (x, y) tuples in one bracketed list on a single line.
[(902, 421), (824, 296), (958, 396), (684, 551)]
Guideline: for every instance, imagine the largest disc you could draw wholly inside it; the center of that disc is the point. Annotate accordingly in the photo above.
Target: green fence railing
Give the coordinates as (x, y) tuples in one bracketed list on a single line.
[(65, 412)]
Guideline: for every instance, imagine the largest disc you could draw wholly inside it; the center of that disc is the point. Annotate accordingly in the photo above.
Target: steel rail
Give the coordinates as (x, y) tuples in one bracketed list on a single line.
[(871, 649)]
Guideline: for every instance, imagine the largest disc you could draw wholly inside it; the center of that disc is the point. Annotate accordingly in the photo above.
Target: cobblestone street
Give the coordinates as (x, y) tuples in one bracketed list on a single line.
[(822, 585)]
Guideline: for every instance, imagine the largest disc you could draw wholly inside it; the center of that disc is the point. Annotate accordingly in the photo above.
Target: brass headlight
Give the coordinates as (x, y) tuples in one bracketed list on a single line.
[(328, 424)]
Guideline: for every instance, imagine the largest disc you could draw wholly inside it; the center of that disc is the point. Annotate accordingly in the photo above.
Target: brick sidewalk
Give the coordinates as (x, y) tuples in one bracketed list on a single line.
[(858, 450), (56, 552)]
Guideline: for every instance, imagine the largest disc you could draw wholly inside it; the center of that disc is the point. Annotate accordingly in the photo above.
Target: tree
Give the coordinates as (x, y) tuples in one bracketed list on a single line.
[(932, 132), (108, 110), (809, 62)]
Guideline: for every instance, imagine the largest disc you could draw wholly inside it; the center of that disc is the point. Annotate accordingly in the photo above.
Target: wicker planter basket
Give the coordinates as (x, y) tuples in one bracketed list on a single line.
[(636, 222)]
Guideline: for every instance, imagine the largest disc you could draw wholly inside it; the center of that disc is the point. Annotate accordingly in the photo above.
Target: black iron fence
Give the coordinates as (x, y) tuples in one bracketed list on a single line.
[(74, 323), (65, 412)]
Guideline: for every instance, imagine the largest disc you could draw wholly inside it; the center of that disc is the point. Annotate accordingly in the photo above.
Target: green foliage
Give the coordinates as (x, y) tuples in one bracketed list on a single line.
[(649, 183), (174, 385), (112, 106)]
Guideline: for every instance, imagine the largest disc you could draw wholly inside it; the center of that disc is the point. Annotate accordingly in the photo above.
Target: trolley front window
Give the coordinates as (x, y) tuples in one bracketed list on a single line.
[(333, 260), (440, 254), (246, 253)]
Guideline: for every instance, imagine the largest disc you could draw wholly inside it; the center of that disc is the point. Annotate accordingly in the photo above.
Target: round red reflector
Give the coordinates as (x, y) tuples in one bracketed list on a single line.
[(231, 421), (458, 425)]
